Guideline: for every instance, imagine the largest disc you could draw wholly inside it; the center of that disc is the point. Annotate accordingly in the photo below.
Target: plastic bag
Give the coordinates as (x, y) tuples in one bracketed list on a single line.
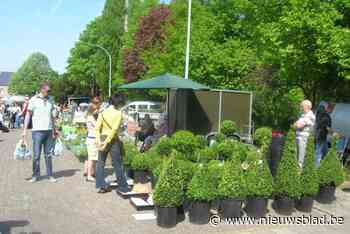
[(58, 148), (22, 151)]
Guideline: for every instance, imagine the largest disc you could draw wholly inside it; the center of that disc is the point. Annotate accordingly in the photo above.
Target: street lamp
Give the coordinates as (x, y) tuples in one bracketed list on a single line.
[(188, 38), (110, 65)]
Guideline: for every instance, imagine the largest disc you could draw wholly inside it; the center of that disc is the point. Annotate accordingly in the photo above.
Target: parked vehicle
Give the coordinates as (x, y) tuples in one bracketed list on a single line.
[(138, 109)]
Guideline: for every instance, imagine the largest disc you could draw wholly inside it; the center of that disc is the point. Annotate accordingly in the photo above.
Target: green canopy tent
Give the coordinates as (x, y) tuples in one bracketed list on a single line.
[(166, 81)]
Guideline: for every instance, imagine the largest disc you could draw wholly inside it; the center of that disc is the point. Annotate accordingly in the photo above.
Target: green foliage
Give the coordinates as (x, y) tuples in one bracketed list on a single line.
[(205, 155), (202, 186), (228, 127), (224, 149), (232, 184), (186, 143), (33, 71), (287, 182), (263, 137), (331, 171), (164, 146), (202, 142), (169, 191), (140, 162), (187, 169), (309, 178), (130, 152), (215, 168), (220, 137), (258, 179)]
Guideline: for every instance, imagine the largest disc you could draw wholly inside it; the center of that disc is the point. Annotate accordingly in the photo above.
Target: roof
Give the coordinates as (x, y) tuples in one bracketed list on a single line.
[(166, 81), (5, 78)]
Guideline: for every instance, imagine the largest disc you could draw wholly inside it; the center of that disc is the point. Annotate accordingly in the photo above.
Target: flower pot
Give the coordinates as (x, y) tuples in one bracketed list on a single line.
[(140, 176), (305, 204), (180, 214), (129, 173), (229, 208), (199, 212), (256, 207), (166, 216), (284, 205), (326, 194)]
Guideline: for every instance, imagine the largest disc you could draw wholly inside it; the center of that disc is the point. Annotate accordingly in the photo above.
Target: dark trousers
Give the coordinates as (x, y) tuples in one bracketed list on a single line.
[(42, 139), (117, 165)]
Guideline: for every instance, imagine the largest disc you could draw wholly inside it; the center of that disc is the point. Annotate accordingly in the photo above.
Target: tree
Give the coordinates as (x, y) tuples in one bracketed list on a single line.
[(32, 72)]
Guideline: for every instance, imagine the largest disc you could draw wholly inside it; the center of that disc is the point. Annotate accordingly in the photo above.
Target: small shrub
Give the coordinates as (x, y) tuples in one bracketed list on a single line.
[(263, 138), (287, 183), (231, 185), (228, 127), (220, 137), (169, 190), (140, 162), (185, 142), (164, 146), (202, 186), (215, 168), (224, 149), (309, 178), (130, 152), (205, 155), (331, 171), (202, 142)]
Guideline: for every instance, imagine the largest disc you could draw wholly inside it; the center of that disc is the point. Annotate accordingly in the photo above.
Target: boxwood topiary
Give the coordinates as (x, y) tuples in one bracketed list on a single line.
[(202, 186), (287, 183), (164, 146), (205, 155), (258, 178), (169, 191), (185, 142), (331, 171), (232, 184), (224, 149), (130, 152), (228, 127), (140, 162), (309, 179), (263, 138)]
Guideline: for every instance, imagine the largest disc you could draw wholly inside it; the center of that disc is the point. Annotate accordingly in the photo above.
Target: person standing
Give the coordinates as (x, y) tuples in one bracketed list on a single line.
[(91, 118), (323, 126), (304, 127), (41, 112), (107, 140)]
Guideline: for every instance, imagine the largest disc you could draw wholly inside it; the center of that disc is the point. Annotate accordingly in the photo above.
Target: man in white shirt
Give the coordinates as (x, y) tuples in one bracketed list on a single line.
[(41, 110), (304, 127)]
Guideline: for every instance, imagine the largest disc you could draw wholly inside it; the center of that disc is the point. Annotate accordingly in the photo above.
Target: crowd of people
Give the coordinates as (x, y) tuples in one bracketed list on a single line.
[(13, 114)]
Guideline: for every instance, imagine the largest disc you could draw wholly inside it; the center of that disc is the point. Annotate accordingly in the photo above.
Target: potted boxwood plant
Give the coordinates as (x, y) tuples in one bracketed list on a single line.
[(263, 138), (231, 189), (330, 174), (185, 143), (228, 128), (164, 146), (201, 191), (130, 152), (168, 194), (309, 181), (259, 184), (287, 182), (140, 165)]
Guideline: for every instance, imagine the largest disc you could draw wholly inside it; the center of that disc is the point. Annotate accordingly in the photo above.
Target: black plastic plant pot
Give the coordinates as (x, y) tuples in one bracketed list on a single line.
[(305, 204), (284, 205), (230, 208), (256, 207), (140, 176), (129, 173), (180, 214), (326, 194), (166, 216), (199, 212)]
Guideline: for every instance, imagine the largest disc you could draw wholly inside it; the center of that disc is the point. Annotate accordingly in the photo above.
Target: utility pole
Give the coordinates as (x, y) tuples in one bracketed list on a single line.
[(188, 39)]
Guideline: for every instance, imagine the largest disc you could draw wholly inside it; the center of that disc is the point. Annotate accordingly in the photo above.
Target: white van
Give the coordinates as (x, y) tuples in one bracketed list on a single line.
[(141, 108)]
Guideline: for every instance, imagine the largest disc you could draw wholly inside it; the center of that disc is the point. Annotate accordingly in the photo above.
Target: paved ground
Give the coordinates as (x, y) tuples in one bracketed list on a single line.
[(71, 206)]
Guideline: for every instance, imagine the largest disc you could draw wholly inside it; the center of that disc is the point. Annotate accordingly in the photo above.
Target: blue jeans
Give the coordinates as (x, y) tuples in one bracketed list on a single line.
[(42, 140), (117, 165), (321, 150)]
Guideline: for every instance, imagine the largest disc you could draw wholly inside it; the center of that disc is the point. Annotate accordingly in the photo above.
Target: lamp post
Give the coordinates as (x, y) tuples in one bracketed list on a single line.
[(110, 65), (188, 39)]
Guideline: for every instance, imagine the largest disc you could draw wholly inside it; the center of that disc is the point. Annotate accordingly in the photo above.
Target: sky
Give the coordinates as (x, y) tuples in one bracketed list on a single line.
[(47, 26)]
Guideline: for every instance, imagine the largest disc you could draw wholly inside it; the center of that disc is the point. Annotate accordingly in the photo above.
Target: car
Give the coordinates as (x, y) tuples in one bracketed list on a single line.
[(138, 109)]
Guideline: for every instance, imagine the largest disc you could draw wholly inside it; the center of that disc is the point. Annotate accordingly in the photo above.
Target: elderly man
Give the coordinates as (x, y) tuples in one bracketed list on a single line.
[(304, 127)]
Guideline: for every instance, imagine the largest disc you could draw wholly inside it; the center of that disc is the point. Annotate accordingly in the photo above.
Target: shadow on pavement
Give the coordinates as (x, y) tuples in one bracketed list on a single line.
[(65, 173), (347, 190), (6, 226)]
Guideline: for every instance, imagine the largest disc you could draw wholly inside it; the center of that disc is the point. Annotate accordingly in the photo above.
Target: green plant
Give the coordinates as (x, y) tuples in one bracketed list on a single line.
[(187, 169), (164, 146), (287, 183), (224, 149), (130, 151), (185, 142), (220, 137), (205, 155), (228, 127), (202, 186), (331, 171), (309, 178), (263, 138), (140, 162), (215, 170), (169, 191), (258, 178), (202, 142), (231, 185)]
